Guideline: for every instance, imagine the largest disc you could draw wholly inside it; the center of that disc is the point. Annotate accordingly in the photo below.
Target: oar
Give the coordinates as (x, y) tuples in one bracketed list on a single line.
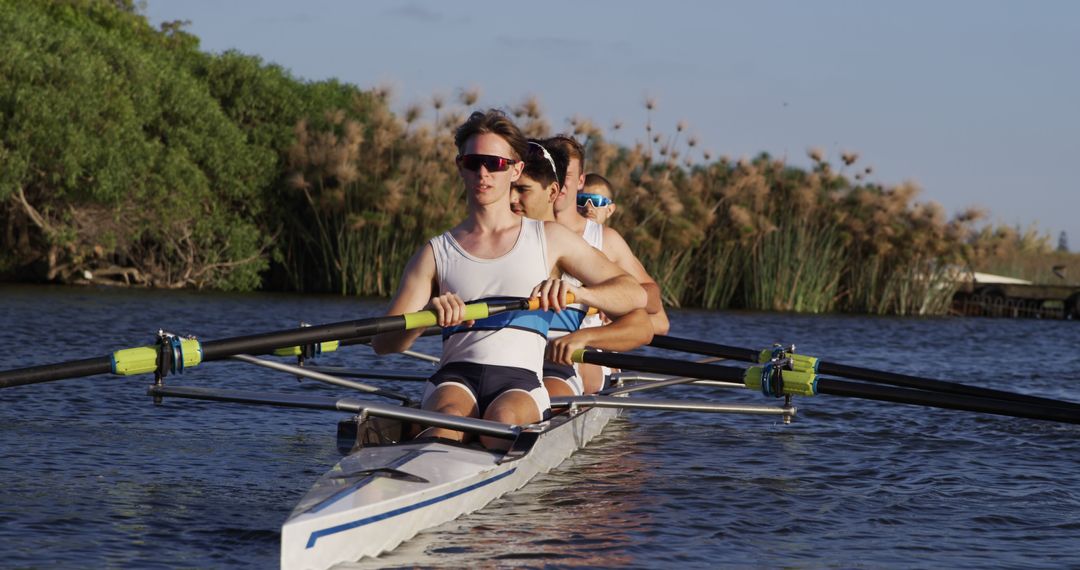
[(430, 331), (809, 384), (857, 373), (189, 352)]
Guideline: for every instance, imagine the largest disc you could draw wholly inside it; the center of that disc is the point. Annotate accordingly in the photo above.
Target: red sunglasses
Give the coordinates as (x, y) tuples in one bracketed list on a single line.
[(492, 163)]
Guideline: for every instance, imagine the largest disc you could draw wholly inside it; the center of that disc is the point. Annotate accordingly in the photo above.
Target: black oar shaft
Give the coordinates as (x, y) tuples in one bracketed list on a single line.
[(705, 348), (268, 342), (947, 401), (252, 344), (214, 349), (865, 374), (50, 372), (932, 385), (664, 366), (430, 331), (840, 387)]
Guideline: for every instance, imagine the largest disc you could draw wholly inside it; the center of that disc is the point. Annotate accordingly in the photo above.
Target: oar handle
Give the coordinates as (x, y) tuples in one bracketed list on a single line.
[(534, 302), (660, 365), (475, 311)]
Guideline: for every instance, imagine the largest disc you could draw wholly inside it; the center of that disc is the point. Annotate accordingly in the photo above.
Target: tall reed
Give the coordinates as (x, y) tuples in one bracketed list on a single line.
[(713, 232)]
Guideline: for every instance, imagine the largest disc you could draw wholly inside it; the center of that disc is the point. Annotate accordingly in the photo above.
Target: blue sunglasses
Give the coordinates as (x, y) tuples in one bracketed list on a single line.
[(597, 200)]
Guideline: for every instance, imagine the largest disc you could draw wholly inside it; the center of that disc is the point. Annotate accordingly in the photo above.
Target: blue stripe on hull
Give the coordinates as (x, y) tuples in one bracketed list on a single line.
[(390, 514)]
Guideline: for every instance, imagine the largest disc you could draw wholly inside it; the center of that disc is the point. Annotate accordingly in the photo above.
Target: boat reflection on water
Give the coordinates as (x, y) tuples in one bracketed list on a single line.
[(581, 514)]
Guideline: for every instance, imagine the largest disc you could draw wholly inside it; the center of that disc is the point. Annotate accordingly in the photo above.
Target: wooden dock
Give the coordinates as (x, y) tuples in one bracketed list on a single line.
[(1018, 300)]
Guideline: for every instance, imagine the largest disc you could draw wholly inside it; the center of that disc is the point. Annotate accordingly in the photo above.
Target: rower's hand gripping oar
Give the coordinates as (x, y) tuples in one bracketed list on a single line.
[(774, 380), (174, 353), (856, 373)]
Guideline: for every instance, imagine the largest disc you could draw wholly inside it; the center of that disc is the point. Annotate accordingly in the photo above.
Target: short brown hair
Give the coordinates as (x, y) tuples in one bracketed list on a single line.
[(495, 122), (593, 179), (569, 146)]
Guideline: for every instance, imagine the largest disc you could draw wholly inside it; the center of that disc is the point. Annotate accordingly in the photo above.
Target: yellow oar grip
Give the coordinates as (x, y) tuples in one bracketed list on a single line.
[(424, 319), (473, 312), (578, 356)]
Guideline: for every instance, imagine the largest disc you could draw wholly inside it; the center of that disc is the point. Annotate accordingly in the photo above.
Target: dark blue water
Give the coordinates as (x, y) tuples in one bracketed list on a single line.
[(92, 474)]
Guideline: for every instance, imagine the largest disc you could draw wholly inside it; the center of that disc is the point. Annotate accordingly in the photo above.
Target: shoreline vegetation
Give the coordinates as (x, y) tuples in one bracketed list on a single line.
[(129, 156)]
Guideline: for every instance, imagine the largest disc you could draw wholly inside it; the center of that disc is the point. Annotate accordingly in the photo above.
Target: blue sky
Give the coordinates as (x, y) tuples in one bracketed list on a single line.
[(976, 101)]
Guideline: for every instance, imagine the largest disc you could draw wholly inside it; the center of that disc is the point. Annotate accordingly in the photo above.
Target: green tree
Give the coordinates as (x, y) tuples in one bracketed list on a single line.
[(114, 155)]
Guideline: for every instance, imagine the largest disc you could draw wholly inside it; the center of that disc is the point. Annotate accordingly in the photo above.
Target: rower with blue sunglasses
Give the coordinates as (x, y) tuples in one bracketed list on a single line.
[(596, 200)]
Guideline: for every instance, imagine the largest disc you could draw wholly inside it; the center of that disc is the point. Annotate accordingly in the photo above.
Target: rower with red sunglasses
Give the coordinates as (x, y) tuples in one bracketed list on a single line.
[(603, 238), (491, 368)]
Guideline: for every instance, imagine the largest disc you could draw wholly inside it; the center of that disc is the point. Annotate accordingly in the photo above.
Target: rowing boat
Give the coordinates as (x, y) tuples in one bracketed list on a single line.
[(379, 496), (388, 488)]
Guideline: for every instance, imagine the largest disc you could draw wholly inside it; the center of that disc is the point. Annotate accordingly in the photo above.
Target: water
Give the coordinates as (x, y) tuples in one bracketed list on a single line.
[(94, 475)]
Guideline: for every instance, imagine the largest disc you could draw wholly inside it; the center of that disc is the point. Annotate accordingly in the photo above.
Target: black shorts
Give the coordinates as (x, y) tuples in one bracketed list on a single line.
[(567, 374), (485, 382), (561, 371)]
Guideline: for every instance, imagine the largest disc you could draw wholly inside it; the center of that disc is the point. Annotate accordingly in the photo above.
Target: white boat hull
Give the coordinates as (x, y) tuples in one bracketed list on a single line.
[(378, 497)]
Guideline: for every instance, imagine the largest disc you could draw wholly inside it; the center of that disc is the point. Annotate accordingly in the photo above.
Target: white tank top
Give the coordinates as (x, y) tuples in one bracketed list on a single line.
[(515, 338), (594, 235), (574, 316)]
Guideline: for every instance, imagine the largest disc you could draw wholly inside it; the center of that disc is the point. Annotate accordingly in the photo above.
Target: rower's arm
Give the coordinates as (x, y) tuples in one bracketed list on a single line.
[(606, 287), (624, 333), (414, 294), (616, 248), (660, 322)]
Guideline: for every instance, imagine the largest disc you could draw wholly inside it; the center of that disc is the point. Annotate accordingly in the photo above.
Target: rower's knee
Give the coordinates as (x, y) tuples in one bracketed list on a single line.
[(456, 410), (453, 400), (442, 433), (515, 408), (495, 443), (592, 378), (557, 387), (506, 416)]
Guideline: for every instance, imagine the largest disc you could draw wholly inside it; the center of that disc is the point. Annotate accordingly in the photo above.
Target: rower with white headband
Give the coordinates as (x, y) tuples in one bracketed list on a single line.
[(532, 196), (601, 237)]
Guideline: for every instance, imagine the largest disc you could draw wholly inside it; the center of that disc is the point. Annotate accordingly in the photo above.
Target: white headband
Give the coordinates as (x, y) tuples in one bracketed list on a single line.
[(550, 160)]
